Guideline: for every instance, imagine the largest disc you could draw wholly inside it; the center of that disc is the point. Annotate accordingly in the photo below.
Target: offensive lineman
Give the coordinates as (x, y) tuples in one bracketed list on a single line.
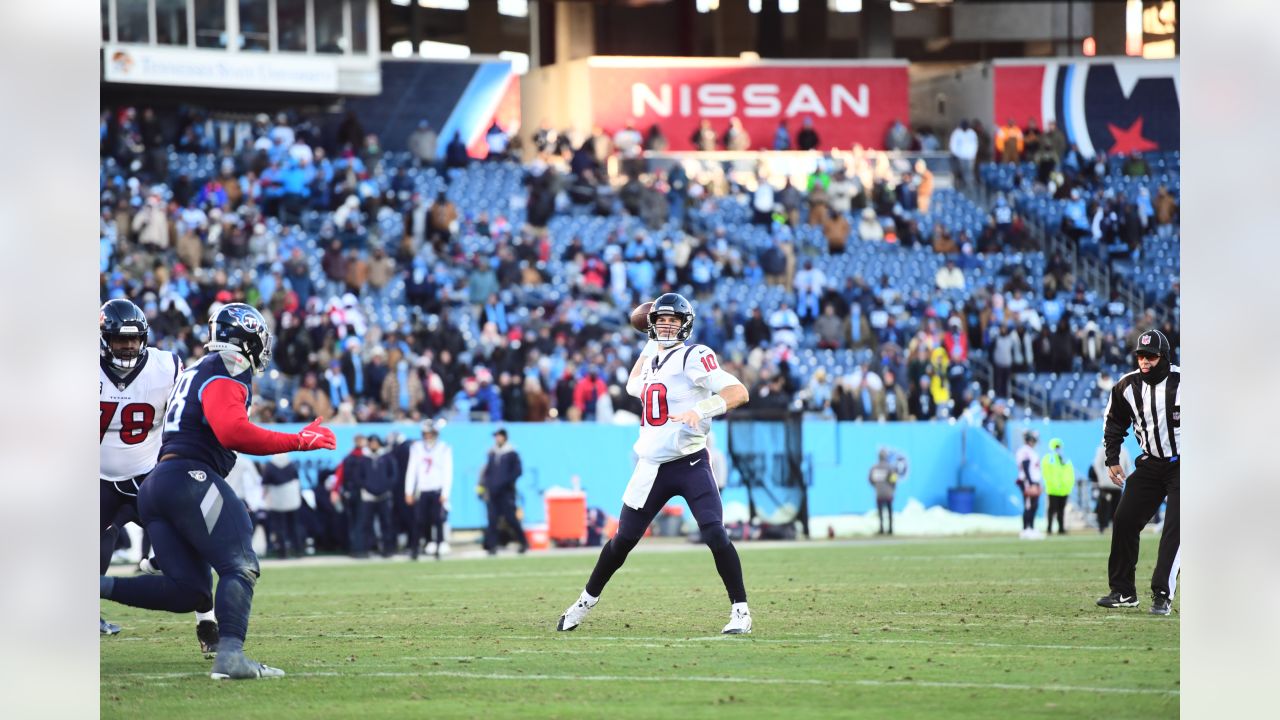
[(134, 384), (680, 389), (194, 518)]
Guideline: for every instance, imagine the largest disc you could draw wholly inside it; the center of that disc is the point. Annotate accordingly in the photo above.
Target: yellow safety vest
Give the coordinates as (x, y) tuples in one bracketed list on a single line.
[(1059, 476)]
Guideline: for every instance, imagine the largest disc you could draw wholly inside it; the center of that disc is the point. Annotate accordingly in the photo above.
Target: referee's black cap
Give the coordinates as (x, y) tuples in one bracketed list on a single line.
[(1152, 342)]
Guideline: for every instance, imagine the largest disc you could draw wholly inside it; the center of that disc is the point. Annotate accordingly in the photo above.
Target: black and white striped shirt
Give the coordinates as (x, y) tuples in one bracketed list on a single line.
[(1154, 411)]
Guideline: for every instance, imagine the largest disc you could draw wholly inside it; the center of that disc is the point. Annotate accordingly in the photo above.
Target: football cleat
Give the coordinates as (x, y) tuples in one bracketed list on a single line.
[(577, 612), (207, 636), (235, 666), (739, 622), (106, 628), (1160, 605), (1118, 600)]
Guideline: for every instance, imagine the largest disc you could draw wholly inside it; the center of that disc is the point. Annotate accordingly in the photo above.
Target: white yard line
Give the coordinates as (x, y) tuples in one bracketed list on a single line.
[(533, 677)]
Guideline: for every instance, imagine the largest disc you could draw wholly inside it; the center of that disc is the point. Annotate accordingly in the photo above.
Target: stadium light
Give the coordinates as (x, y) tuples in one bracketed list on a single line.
[(513, 8), (443, 51), (402, 49), (1133, 28), (1089, 47), (788, 6), (844, 6), (706, 6), (401, 3), (755, 6), (445, 4), (896, 6)]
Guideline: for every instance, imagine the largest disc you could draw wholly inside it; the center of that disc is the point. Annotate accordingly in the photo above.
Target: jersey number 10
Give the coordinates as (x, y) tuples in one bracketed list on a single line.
[(654, 400)]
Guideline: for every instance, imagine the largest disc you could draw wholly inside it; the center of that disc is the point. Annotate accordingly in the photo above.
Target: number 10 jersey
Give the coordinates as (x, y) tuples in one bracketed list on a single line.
[(672, 383)]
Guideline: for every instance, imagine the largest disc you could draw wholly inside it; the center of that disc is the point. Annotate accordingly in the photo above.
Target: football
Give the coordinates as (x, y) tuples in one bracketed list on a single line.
[(640, 317)]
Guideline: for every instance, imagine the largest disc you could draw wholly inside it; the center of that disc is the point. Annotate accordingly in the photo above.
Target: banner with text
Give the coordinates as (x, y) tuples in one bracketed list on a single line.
[(144, 65), (848, 102)]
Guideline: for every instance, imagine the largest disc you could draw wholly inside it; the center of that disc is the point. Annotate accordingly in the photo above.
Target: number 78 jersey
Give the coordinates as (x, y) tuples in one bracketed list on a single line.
[(672, 383), (131, 409)]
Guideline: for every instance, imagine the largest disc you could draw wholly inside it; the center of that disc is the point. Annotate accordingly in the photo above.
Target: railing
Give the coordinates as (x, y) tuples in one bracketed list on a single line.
[(794, 163)]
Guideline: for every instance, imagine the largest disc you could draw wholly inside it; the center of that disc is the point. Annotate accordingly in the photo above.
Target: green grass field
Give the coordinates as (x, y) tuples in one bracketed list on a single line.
[(956, 628)]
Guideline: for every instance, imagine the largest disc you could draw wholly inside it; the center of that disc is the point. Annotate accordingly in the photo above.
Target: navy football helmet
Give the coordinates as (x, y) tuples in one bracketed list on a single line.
[(241, 328), (672, 304), (122, 319)]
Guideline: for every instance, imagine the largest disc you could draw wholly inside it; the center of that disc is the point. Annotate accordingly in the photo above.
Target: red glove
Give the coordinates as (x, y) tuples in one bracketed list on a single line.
[(316, 437)]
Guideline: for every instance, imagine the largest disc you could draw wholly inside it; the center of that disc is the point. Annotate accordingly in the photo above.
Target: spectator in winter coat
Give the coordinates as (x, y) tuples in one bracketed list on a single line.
[(311, 401)]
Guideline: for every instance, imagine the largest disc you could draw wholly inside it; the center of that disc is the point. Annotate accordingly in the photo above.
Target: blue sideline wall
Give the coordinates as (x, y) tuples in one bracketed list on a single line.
[(941, 455)]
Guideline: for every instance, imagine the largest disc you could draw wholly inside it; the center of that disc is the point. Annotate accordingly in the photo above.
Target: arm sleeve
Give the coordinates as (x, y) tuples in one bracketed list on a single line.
[(1118, 418), (1026, 469), (635, 385), (703, 369), (223, 401)]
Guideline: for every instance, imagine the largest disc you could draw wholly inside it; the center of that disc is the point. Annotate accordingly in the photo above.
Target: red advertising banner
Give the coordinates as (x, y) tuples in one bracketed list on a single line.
[(849, 102)]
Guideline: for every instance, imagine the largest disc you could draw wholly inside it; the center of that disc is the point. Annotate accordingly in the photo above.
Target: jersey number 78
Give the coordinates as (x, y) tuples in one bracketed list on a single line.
[(135, 421)]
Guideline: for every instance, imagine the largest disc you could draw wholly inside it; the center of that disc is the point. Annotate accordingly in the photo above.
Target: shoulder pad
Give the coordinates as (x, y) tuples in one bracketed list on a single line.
[(234, 362)]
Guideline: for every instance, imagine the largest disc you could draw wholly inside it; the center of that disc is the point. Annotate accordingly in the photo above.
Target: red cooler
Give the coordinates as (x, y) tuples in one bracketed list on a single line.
[(566, 517)]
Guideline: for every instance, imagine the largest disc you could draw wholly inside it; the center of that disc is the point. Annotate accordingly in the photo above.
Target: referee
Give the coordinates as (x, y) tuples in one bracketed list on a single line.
[(1147, 399)]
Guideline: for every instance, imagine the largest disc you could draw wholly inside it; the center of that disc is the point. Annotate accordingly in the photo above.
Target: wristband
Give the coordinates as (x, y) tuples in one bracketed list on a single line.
[(711, 407)]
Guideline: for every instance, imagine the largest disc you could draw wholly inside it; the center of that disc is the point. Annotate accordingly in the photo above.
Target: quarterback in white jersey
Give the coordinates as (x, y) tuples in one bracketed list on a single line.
[(681, 388), (134, 384)]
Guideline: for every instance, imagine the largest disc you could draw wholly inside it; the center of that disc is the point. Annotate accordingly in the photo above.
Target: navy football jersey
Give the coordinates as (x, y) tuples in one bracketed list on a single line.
[(186, 431)]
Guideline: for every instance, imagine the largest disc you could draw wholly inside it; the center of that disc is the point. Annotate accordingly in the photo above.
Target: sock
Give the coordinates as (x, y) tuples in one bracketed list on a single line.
[(230, 645), (730, 569), (740, 607), (202, 616), (105, 586)]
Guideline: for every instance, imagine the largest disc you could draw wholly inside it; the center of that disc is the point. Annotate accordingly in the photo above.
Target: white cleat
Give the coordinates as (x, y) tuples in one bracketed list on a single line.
[(739, 621), (235, 666), (145, 567), (577, 612)]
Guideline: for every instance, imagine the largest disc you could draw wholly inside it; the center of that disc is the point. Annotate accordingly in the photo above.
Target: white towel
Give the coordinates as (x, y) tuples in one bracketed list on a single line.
[(637, 492)]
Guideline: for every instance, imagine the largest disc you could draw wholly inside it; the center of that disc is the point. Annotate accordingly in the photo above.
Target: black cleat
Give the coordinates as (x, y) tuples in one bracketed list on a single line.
[(1160, 605), (1117, 600), (207, 635)]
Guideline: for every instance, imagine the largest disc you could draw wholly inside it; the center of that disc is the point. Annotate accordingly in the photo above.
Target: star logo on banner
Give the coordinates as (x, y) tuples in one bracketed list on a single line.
[(1129, 140)]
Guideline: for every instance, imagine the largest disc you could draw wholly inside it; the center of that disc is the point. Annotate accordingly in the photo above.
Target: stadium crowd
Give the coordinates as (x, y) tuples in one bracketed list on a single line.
[(394, 295)]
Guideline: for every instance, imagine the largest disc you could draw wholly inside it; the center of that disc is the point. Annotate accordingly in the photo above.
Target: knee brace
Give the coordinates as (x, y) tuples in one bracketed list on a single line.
[(715, 536)]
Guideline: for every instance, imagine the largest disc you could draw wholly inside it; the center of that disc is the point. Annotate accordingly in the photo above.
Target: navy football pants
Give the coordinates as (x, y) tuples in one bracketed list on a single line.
[(691, 478), (196, 523), (117, 505)]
